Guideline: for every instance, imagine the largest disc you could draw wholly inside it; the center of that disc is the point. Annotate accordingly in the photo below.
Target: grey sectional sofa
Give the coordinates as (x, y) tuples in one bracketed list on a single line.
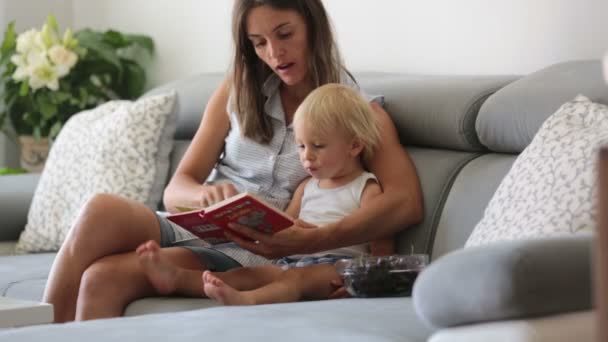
[(463, 134)]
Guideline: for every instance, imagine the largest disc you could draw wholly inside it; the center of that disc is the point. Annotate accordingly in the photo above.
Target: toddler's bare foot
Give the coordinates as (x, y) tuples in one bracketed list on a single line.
[(216, 289), (160, 272)]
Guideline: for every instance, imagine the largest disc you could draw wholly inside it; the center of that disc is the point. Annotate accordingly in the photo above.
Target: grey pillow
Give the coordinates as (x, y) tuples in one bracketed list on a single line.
[(506, 280)]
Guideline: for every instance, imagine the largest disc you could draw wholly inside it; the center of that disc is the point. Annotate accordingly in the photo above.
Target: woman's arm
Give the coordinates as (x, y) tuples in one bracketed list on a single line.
[(399, 206), (186, 188), (386, 245)]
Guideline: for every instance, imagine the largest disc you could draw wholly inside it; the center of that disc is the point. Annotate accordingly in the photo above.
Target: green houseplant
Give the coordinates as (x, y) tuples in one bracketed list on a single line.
[(46, 77)]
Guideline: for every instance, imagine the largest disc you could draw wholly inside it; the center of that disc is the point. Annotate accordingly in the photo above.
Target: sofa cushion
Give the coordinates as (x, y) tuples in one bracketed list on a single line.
[(552, 186), (566, 327), (509, 119), (436, 170), (24, 276), (467, 199), (434, 111), (120, 147), (509, 280), (192, 96), (16, 192), (353, 320)]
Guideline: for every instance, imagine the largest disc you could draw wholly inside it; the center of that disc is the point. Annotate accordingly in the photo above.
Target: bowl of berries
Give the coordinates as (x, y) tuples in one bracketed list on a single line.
[(385, 276)]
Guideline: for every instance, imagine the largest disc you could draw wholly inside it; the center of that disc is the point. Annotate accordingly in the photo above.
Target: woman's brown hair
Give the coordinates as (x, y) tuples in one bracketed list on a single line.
[(249, 72)]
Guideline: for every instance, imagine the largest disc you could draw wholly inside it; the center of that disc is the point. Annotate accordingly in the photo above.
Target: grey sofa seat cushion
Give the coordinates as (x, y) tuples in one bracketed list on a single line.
[(23, 276), (434, 111), (507, 280), (510, 118), (352, 320)]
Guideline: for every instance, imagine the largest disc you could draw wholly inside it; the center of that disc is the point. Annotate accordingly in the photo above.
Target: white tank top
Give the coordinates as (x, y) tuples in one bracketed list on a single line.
[(324, 206)]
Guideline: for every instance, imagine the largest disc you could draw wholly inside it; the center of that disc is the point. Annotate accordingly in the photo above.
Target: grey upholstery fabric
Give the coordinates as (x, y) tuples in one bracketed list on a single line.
[(434, 111), (505, 281), (21, 275), (352, 320), (510, 118), (458, 176), (436, 170), (16, 193), (467, 200), (192, 96)]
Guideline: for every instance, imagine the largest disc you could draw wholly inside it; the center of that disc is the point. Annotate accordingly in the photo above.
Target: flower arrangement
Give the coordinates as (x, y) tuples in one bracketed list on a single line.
[(46, 77)]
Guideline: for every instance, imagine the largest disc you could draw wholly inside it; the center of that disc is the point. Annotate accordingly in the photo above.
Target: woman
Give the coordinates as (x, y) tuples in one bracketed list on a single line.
[(283, 50)]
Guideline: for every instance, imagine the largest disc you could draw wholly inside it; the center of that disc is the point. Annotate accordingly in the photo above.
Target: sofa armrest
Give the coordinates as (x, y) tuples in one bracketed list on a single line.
[(16, 192), (507, 280)]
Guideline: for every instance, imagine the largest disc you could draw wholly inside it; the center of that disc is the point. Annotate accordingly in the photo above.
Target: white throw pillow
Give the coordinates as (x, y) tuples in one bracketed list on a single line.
[(551, 188), (121, 147)]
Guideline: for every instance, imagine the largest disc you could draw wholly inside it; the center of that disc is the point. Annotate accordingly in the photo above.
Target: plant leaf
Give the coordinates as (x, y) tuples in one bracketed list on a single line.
[(115, 38), (52, 22), (10, 41), (94, 42), (141, 40), (47, 108), (24, 89), (55, 129), (135, 80)]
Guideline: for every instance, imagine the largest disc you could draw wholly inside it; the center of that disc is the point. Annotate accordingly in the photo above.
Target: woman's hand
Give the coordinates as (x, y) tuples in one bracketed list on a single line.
[(213, 193), (293, 240)]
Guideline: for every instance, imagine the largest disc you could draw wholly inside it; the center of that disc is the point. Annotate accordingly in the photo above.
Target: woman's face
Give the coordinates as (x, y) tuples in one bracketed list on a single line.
[(280, 39)]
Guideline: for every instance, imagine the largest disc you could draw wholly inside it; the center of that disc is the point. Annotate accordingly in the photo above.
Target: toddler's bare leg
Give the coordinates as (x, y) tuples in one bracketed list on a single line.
[(313, 282)]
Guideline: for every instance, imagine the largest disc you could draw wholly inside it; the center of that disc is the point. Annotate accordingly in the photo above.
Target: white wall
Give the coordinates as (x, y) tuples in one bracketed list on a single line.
[(412, 36), (190, 35), (433, 36)]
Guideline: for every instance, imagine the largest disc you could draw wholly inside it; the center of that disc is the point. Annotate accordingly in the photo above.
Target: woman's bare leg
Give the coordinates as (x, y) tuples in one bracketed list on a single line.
[(106, 225), (313, 282), (111, 283)]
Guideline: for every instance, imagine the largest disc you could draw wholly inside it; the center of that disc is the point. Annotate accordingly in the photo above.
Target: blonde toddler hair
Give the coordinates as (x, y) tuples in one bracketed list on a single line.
[(334, 107)]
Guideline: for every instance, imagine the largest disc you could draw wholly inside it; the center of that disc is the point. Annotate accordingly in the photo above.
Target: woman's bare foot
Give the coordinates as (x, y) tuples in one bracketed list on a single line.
[(160, 272), (215, 288)]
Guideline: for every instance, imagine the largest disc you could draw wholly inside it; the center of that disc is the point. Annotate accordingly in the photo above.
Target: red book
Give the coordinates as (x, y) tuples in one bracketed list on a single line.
[(210, 223)]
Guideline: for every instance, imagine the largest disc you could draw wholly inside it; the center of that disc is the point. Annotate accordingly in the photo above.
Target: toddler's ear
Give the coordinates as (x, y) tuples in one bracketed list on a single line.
[(356, 147)]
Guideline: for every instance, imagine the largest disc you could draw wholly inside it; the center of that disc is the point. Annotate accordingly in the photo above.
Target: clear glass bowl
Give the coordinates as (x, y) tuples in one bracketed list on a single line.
[(387, 276)]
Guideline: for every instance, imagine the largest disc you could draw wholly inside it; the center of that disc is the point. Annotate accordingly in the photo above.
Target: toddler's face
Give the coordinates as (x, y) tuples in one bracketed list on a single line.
[(325, 156)]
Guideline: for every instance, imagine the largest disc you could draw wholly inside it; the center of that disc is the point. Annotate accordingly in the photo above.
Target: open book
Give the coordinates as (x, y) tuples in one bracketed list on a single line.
[(210, 223)]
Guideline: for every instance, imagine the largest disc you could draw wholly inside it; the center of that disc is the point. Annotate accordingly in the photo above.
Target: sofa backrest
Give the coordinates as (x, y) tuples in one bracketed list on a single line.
[(506, 124), (463, 133)]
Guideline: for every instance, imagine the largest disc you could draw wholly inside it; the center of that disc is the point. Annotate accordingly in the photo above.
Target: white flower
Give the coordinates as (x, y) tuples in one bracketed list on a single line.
[(29, 40), (63, 59), (43, 74), (22, 72)]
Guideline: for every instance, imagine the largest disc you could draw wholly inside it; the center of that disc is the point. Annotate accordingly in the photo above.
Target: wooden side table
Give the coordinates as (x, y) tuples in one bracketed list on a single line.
[(601, 257), (18, 313)]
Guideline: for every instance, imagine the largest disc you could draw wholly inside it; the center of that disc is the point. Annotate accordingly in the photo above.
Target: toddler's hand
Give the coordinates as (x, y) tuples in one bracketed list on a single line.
[(339, 290), (213, 193)]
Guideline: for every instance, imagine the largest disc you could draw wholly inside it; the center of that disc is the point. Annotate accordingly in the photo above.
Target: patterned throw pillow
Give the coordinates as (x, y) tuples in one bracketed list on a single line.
[(551, 189), (120, 147)]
